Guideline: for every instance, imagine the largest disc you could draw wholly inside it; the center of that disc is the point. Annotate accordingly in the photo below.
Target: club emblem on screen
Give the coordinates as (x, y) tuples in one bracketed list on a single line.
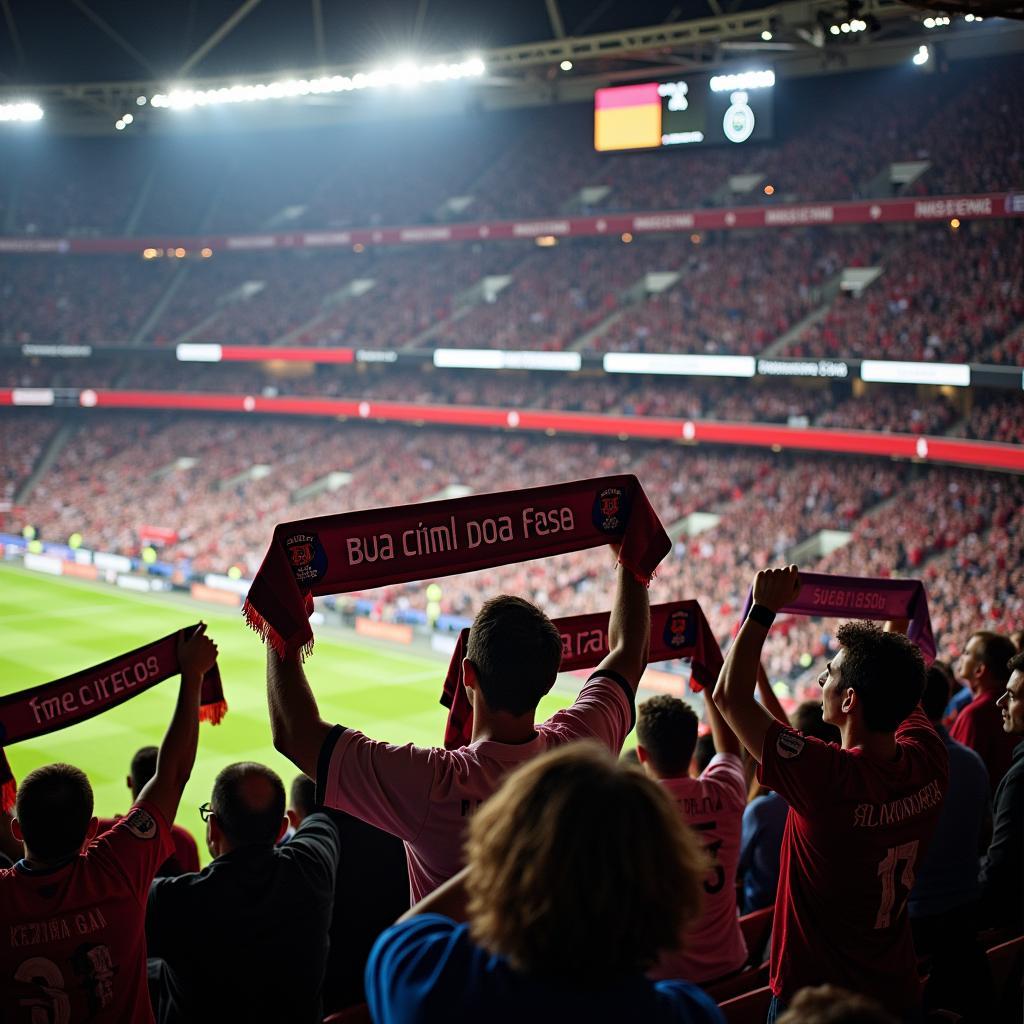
[(610, 510), (680, 629), (306, 556)]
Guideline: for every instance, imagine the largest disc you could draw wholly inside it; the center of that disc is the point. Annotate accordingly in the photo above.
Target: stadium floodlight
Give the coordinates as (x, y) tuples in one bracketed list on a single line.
[(766, 35), (566, 65), (744, 80), (406, 75), (922, 56), (24, 111)]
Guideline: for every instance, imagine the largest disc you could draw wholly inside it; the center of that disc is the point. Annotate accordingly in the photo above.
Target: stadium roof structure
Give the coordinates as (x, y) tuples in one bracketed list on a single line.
[(89, 62)]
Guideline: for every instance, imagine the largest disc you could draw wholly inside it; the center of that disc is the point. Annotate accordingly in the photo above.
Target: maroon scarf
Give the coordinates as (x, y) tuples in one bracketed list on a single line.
[(678, 630), (50, 707), (864, 597), (378, 547)]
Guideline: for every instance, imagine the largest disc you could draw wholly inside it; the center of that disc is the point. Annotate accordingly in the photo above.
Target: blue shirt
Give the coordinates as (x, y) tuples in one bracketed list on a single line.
[(764, 822), (428, 969), (948, 876), (958, 702)]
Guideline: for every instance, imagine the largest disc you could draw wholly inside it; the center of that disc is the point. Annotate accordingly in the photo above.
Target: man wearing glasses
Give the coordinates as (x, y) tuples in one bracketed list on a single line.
[(246, 937)]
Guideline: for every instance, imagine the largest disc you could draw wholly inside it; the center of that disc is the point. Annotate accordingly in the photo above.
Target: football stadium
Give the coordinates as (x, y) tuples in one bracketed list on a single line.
[(512, 511)]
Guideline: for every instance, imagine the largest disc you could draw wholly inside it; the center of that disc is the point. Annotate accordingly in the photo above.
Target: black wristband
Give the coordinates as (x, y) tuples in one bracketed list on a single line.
[(761, 615)]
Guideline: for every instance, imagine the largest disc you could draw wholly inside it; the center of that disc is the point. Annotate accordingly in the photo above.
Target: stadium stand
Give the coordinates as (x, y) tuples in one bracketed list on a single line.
[(190, 496), (949, 296)]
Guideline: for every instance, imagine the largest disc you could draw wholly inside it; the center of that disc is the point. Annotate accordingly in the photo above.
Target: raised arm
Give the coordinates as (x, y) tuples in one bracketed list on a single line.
[(449, 898), (629, 629), (734, 691), (295, 723), (725, 740), (196, 656), (768, 697)]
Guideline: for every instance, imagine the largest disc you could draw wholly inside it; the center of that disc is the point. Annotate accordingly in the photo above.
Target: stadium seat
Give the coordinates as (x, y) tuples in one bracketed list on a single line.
[(1005, 961), (757, 928), (750, 1008), (358, 1014), (738, 984)]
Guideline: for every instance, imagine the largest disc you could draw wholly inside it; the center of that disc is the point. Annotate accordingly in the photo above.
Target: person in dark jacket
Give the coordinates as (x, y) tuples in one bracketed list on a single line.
[(246, 938)]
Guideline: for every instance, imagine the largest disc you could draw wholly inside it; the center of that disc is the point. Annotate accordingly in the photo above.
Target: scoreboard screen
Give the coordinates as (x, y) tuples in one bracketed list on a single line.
[(692, 111)]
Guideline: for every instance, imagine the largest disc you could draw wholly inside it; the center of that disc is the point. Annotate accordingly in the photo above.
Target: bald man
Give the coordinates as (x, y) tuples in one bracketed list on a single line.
[(246, 937)]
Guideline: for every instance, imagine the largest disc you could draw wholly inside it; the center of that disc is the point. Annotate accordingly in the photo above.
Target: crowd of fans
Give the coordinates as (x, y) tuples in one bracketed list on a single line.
[(740, 293), (945, 295), (997, 419), (285, 896), (221, 482), (546, 877)]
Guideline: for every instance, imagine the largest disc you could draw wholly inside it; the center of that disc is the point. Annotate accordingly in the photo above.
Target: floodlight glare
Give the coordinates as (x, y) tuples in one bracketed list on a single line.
[(20, 112), (566, 65), (766, 36), (405, 74), (744, 80), (922, 56)]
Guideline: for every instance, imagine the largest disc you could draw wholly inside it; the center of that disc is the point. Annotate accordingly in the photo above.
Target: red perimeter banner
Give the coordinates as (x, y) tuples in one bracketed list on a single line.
[(876, 211), (979, 454)]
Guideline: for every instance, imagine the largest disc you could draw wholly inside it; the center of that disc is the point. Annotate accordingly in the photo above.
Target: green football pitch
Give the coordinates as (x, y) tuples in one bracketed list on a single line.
[(50, 627)]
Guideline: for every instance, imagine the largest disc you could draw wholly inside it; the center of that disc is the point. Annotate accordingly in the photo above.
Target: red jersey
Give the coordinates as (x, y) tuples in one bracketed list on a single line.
[(184, 860), (73, 944), (856, 831), (980, 727)]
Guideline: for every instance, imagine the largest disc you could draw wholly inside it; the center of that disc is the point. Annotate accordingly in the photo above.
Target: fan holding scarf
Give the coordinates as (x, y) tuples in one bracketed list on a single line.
[(513, 652)]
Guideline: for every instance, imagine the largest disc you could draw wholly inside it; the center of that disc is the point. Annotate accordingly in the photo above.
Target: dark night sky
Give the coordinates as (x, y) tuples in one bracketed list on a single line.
[(58, 42)]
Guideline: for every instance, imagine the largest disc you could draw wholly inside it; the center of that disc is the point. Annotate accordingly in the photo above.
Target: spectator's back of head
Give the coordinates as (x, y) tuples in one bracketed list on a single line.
[(938, 686), (302, 797), (807, 718), (54, 809), (248, 800), (538, 894), (703, 752), (143, 768), (515, 650), (885, 670), (666, 733), (829, 1004)]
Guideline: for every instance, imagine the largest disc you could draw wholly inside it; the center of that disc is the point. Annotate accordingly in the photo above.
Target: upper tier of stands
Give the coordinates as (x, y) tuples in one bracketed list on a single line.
[(940, 293), (965, 124)]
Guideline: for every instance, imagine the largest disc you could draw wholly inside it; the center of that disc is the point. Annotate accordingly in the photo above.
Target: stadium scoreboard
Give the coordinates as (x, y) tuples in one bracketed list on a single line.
[(691, 111)]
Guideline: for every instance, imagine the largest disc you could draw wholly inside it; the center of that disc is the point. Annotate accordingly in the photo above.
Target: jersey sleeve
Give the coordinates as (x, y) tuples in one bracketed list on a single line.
[(384, 785), (725, 771), (416, 962), (317, 845), (603, 711), (134, 848), (801, 769)]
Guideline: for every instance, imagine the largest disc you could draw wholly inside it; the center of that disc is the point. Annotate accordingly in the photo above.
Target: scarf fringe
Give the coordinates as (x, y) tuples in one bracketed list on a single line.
[(8, 792), (213, 713), (256, 622)]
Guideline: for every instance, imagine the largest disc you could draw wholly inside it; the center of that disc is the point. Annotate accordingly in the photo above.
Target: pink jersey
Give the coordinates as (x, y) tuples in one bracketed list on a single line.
[(425, 795), (713, 806), (857, 829)]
